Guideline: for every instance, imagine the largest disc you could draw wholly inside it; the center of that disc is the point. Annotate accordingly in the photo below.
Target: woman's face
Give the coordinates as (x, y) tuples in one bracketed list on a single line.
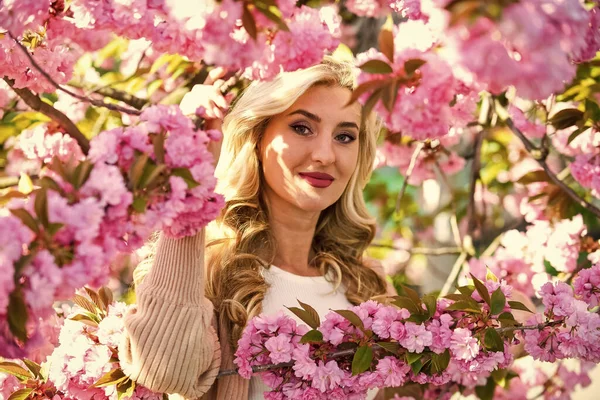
[(310, 151)]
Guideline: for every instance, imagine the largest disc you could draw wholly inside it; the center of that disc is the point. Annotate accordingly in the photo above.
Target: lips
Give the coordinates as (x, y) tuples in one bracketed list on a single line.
[(317, 179)]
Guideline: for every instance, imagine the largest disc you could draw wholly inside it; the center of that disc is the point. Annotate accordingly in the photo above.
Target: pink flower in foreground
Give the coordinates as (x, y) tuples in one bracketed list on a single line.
[(417, 338), (463, 345), (327, 376)]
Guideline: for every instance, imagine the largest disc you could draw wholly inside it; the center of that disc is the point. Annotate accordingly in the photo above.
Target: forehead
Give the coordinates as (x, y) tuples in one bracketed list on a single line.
[(329, 103)]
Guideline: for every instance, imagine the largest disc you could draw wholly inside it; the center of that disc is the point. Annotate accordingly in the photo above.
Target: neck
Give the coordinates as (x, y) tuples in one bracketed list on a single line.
[(293, 230)]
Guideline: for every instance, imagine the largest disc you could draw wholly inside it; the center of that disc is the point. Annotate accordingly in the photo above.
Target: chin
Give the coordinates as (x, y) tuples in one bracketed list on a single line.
[(314, 205)]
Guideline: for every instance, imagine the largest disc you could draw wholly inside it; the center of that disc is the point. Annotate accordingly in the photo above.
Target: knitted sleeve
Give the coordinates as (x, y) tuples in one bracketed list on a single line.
[(170, 344)]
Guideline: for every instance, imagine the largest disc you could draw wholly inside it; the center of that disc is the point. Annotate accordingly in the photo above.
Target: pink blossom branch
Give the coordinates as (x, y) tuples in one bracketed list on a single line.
[(35, 103), (540, 156), (349, 352), (96, 103)]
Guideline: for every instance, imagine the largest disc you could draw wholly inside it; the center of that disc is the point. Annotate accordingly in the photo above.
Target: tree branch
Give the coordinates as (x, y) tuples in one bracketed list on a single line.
[(409, 171), (422, 250), (96, 103), (35, 103), (474, 177), (540, 156)]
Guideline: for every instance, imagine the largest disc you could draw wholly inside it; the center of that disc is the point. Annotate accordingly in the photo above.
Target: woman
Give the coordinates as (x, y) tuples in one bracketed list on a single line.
[(294, 161)]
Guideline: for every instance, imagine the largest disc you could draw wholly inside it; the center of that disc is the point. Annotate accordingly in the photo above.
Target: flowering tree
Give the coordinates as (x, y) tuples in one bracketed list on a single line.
[(494, 103)]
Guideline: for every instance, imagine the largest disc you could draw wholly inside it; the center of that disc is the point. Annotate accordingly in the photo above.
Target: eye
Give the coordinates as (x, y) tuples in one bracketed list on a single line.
[(301, 129), (345, 138)]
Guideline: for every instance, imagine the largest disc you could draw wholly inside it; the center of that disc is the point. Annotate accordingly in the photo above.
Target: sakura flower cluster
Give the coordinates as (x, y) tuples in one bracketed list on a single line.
[(375, 345), (569, 326), (135, 180), (514, 49), (430, 99)]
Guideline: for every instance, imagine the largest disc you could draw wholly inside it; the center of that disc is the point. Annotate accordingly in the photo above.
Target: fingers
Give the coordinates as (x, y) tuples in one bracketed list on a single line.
[(214, 75)]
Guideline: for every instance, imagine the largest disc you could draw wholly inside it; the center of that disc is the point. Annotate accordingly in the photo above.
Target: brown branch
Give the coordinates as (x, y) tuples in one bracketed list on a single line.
[(422, 250), (96, 103), (35, 103), (474, 178), (409, 171), (267, 367), (540, 156)]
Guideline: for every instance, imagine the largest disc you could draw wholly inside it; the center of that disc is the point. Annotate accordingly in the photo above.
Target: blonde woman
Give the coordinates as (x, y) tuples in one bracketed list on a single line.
[(293, 164)]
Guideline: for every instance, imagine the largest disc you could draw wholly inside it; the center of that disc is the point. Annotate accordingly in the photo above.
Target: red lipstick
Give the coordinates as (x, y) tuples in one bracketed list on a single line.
[(317, 179)]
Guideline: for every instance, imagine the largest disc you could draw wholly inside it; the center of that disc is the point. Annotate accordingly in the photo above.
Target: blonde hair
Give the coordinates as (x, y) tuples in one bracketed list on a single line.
[(240, 243)]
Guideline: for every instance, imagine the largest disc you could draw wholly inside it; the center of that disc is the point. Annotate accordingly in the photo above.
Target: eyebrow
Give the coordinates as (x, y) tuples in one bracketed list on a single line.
[(316, 118)]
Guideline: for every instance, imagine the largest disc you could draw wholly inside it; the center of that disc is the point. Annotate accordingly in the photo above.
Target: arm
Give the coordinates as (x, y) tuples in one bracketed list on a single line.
[(170, 345)]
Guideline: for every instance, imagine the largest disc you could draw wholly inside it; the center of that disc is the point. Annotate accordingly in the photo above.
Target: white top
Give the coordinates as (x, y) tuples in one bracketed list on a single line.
[(284, 289)]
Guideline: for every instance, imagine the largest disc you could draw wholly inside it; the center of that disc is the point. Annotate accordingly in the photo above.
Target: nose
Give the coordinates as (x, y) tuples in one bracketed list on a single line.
[(324, 152)]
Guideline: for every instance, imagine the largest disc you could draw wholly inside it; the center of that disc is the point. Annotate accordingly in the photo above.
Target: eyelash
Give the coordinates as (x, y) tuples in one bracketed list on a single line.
[(296, 127)]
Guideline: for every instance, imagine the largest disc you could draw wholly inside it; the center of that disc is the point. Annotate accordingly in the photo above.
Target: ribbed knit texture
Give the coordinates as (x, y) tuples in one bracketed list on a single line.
[(170, 343)]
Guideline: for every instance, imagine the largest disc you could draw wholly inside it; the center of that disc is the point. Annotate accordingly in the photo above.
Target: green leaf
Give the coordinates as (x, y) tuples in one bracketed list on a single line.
[(40, 206), (416, 367), (390, 347), (492, 340), (411, 294), (376, 67), (15, 370), (305, 316), (517, 305), (26, 218), (566, 118), (106, 296), (362, 360), (137, 168), (466, 290), (312, 336), (34, 367), (125, 389), (410, 66), (486, 392), (186, 175), (412, 358), (314, 314), (53, 228), (498, 302), (158, 142), (151, 174), (49, 183), (352, 317), (273, 13), (463, 306), (82, 173), (439, 362), (431, 304), (489, 275), (367, 87), (85, 304), (95, 298), (482, 290), (21, 394), (507, 319), (550, 269), (139, 204), (17, 315), (248, 22), (386, 44), (405, 302), (112, 377), (85, 319), (534, 176)]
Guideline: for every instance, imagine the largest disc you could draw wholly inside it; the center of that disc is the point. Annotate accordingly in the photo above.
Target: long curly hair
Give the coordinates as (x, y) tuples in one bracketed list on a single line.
[(240, 243)]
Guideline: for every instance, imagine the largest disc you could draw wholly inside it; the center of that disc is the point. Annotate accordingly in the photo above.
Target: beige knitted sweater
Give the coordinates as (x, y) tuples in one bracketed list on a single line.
[(172, 342)]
